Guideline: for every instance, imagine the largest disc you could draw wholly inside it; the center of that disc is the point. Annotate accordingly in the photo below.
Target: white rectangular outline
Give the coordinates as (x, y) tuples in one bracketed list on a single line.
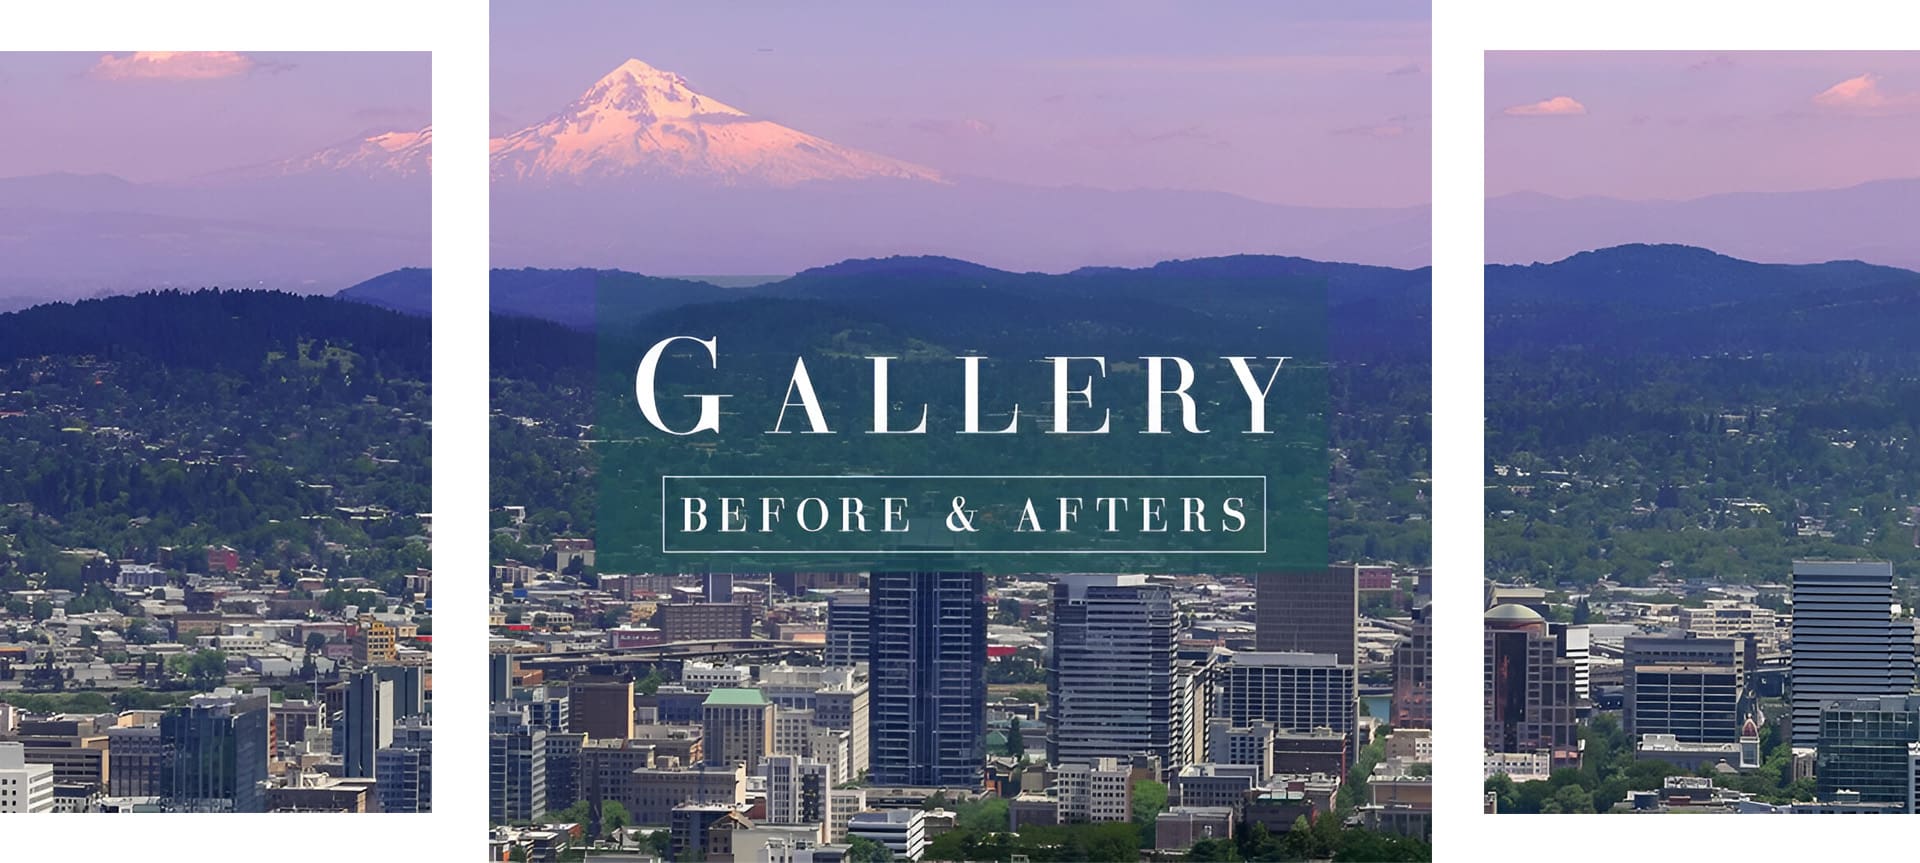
[(1265, 512)]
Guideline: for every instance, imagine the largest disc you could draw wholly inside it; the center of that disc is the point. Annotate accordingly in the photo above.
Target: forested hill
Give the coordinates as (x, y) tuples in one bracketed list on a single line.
[(1689, 301), (1370, 311), (235, 331)]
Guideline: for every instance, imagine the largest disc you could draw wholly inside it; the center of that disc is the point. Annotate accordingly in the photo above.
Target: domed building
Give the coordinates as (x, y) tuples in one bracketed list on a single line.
[(1529, 696)]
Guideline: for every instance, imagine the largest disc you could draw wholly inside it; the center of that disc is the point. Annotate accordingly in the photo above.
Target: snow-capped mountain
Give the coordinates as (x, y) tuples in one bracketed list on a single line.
[(311, 223), (397, 153), (643, 172), (645, 122)]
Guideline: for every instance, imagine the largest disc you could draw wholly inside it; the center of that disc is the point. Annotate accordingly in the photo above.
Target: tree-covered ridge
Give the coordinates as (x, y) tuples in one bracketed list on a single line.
[(1752, 415), (237, 331), (1369, 324), (294, 429)]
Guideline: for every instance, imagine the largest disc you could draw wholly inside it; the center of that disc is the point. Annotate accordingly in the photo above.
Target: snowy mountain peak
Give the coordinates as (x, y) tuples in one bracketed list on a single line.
[(637, 88), (641, 121), (398, 153)]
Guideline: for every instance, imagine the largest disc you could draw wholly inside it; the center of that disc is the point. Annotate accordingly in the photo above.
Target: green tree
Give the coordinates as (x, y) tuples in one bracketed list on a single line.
[(1149, 800), (860, 849), (1016, 741), (613, 817)]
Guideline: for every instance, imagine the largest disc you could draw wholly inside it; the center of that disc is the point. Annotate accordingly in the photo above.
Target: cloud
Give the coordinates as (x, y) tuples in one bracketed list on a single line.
[(1863, 93), (172, 65), (1714, 63), (1411, 67), (1132, 139), (969, 127), (1393, 127), (1558, 106)]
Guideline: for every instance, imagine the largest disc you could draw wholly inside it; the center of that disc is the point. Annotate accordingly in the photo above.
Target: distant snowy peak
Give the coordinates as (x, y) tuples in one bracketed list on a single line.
[(398, 153), (645, 122)]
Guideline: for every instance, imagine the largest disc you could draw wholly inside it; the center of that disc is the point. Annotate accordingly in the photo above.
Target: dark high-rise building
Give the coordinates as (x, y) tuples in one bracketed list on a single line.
[(136, 761), (1868, 745), (1530, 705), (217, 754), (517, 767), (1308, 612), (499, 676), (1109, 669), (928, 692), (366, 723), (1846, 642), (719, 587), (404, 780), (601, 707), (1413, 674), (1313, 611), (409, 688), (563, 768), (848, 622)]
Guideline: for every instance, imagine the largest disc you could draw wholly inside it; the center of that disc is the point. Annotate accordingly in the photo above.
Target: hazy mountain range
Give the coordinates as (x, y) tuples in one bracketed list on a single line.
[(1876, 222), (644, 172), (312, 224)]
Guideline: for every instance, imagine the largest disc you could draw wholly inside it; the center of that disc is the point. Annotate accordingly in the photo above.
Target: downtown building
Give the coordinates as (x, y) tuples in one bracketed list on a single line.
[(1412, 704), (1867, 746), (24, 786), (516, 767), (1109, 670), (849, 617), (216, 753), (1694, 689), (1528, 688), (927, 705), (404, 773), (1293, 692), (1313, 611), (1846, 642)]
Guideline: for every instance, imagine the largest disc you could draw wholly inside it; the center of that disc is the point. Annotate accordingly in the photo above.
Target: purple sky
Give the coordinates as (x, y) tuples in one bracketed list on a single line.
[(1323, 104), (1664, 125), (178, 118)]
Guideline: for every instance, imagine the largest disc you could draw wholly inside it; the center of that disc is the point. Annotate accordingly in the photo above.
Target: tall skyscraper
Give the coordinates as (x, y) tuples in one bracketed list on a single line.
[(1846, 642), (737, 727), (1413, 674), (1109, 669), (217, 753), (517, 767), (366, 723), (927, 711), (1313, 611), (1529, 699), (848, 628)]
